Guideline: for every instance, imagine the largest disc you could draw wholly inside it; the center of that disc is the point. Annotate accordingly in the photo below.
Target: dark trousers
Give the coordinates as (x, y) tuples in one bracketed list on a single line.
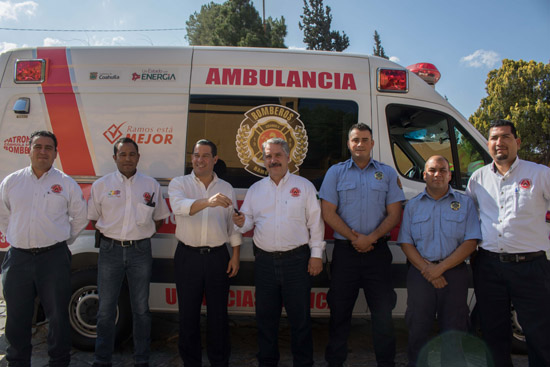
[(197, 276), (283, 281), (527, 286), (24, 276), (448, 304), (371, 271)]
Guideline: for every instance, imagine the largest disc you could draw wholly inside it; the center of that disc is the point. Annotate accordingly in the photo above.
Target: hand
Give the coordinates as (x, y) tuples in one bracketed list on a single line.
[(363, 243), (238, 219), (315, 266), (432, 271), (219, 200), (439, 283), (233, 266)]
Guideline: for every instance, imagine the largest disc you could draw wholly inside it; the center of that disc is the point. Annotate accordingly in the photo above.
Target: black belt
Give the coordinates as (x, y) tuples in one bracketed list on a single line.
[(380, 241), (127, 243), (258, 250), (204, 250), (39, 250), (513, 258)]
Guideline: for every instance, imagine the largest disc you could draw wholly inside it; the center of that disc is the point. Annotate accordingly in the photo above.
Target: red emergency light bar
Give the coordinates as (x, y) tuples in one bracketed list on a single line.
[(30, 71), (428, 72), (393, 80)]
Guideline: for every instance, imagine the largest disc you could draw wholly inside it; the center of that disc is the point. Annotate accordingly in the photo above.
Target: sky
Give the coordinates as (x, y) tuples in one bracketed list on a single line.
[(463, 39)]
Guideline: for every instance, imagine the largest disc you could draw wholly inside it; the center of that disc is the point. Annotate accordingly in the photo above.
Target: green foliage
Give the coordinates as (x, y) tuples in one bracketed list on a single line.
[(234, 23), (316, 26), (519, 91), (378, 50)]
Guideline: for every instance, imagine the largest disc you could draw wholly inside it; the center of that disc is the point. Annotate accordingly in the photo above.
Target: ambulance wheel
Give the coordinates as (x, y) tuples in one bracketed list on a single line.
[(519, 345), (83, 311)]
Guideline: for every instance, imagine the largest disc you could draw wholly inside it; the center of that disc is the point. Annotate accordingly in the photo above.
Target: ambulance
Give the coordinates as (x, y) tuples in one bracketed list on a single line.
[(167, 98)]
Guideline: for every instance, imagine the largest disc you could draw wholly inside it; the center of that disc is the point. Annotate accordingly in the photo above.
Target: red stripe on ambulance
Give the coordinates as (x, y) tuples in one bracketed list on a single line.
[(64, 115)]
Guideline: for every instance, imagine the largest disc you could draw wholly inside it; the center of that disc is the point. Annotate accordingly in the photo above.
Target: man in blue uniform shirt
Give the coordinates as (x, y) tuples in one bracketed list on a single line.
[(361, 201), (440, 229), (511, 266)]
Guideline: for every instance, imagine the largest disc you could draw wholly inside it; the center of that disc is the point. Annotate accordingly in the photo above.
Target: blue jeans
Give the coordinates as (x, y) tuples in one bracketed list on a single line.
[(283, 280), (48, 275), (114, 263)]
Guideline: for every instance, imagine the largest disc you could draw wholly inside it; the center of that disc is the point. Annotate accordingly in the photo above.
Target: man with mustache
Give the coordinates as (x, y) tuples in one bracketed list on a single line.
[(361, 201), (127, 207), (284, 211), (42, 210), (439, 230), (511, 266)]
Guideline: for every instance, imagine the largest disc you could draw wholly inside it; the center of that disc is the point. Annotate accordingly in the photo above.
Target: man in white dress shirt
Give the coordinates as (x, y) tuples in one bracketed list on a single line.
[(127, 207), (511, 266), (41, 211), (285, 212), (203, 205)]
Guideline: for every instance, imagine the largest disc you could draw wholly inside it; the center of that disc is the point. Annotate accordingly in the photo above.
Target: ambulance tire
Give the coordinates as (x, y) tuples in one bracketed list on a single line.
[(83, 310)]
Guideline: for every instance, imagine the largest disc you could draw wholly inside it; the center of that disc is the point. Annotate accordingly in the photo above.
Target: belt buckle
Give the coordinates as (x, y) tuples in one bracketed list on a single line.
[(130, 243), (204, 251)]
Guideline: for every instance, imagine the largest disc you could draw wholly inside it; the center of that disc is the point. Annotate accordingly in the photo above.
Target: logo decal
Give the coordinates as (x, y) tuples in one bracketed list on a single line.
[(113, 133), (114, 193), (93, 75), (295, 192), (525, 184), (266, 122), (147, 197), (135, 76), (455, 205), (17, 144), (56, 188), (142, 135), (378, 175), (103, 76), (154, 75)]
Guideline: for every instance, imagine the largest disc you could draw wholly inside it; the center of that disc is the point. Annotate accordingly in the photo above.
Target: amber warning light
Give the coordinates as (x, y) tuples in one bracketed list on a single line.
[(428, 72), (30, 71), (392, 80)]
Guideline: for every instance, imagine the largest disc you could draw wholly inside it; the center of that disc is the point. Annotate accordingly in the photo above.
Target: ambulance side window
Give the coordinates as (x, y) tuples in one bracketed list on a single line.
[(320, 144), (418, 133)]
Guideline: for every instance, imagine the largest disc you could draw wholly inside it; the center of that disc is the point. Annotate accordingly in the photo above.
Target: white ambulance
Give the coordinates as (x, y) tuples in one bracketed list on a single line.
[(168, 98)]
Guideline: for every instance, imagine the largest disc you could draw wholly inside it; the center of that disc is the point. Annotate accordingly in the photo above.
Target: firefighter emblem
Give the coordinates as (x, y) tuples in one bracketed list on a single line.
[(455, 205), (378, 175), (265, 122)]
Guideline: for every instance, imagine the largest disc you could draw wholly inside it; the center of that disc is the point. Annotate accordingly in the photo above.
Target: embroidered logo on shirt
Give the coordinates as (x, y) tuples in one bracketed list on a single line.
[(147, 197), (114, 193), (378, 175), (56, 188), (455, 205), (548, 216), (525, 184), (295, 192)]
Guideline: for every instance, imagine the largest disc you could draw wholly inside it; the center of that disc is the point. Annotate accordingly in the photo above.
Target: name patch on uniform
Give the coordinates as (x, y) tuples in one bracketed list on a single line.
[(378, 175), (295, 192), (114, 193), (525, 184), (455, 205), (56, 188)]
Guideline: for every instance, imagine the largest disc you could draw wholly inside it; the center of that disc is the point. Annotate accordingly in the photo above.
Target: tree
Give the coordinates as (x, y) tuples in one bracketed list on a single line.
[(316, 26), (519, 91), (378, 50), (234, 23)]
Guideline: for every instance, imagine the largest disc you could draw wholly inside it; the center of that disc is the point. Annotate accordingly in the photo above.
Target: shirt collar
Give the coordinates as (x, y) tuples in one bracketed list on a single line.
[(450, 192), (197, 180), (352, 163), (283, 180), (122, 178), (30, 172), (514, 165)]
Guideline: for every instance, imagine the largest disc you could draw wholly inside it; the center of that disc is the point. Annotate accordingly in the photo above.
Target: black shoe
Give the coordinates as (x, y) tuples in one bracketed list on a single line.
[(102, 364), (142, 365)]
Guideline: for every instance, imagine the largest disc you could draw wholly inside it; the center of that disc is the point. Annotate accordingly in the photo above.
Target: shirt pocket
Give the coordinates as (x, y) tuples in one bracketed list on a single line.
[(55, 204), (144, 214), (380, 192), (421, 226), (295, 209), (454, 224), (523, 200), (346, 192)]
